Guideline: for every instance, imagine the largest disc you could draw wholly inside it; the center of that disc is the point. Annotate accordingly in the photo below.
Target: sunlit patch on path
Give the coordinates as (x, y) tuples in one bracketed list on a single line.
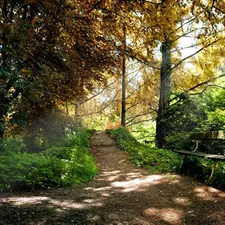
[(120, 194)]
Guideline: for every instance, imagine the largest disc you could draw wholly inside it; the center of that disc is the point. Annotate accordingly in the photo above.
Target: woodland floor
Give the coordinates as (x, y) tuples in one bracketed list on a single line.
[(121, 194)]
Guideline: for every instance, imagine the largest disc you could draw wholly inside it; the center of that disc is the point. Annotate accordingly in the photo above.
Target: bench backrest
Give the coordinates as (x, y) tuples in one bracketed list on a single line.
[(208, 135)]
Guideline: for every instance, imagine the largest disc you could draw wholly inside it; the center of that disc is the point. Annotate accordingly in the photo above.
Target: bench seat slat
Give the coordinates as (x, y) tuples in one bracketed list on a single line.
[(201, 154), (208, 135)]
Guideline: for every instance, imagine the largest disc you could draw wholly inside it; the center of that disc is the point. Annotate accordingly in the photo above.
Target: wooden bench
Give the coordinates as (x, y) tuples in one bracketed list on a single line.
[(209, 135)]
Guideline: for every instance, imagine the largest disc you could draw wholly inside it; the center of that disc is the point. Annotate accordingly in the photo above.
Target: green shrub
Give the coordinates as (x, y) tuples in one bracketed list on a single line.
[(62, 165), (80, 137), (144, 132), (35, 143), (201, 169), (80, 168), (178, 141), (218, 179), (14, 143), (156, 160), (21, 170)]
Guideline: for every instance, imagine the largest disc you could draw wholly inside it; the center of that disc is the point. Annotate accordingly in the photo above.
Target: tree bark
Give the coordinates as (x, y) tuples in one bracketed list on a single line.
[(67, 108), (77, 113), (123, 108), (165, 89)]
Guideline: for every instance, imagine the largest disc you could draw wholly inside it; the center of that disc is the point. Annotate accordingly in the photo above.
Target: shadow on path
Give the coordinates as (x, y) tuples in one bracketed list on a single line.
[(120, 194)]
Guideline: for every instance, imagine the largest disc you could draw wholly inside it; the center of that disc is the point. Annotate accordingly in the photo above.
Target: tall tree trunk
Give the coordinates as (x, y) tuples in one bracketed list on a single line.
[(123, 110), (77, 114), (4, 106), (4, 99), (67, 108), (165, 88)]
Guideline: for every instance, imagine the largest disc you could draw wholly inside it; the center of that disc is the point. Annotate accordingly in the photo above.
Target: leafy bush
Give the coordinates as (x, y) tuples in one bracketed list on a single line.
[(35, 143), (178, 141), (79, 137), (181, 118), (13, 144), (156, 160), (201, 169), (144, 132), (62, 165)]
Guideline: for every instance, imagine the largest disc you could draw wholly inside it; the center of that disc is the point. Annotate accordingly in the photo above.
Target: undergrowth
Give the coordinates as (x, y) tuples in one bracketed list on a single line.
[(155, 160), (200, 168), (162, 160), (66, 163)]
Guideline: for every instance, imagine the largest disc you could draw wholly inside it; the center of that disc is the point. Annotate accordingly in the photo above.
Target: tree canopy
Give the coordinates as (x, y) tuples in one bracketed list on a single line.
[(57, 52)]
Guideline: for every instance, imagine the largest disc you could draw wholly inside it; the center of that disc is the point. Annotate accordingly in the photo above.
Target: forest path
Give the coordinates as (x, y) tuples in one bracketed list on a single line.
[(121, 194)]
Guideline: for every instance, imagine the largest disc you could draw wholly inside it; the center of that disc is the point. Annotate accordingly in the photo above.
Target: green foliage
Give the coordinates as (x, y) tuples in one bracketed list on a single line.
[(187, 115), (156, 160), (99, 122), (60, 165), (35, 143), (201, 169), (11, 143), (178, 141), (79, 138), (216, 119), (47, 130), (144, 133), (218, 179)]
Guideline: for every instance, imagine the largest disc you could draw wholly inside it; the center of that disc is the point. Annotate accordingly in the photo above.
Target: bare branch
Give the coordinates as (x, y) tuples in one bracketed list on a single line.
[(136, 103), (136, 89), (95, 6), (219, 9), (189, 21), (210, 85), (98, 93), (145, 62), (140, 121), (135, 117), (204, 47), (198, 85), (205, 82), (185, 34), (183, 48)]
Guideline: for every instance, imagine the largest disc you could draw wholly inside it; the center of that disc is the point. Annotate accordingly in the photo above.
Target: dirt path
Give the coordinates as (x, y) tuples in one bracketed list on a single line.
[(121, 194)]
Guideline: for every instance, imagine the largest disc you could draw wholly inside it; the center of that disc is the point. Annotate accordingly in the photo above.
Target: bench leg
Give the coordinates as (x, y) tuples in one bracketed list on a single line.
[(182, 162), (212, 171)]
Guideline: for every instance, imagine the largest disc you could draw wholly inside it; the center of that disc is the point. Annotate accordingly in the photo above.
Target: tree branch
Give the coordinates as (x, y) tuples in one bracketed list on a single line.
[(198, 85), (136, 103), (135, 117), (210, 85), (219, 9), (95, 6), (145, 62), (140, 121), (183, 35), (182, 60), (136, 89), (205, 82)]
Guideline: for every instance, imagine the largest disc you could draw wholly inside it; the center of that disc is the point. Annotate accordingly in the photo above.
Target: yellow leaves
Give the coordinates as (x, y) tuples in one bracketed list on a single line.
[(203, 67), (162, 19)]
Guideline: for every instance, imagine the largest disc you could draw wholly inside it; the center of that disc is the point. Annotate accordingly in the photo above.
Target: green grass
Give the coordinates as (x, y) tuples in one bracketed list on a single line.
[(63, 164), (155, 160)]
